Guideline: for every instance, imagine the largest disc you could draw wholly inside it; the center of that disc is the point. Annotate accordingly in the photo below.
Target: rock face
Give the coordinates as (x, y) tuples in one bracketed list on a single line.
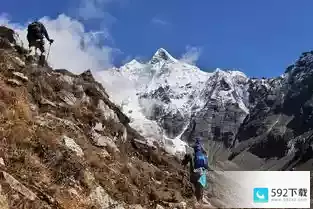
[(71, 145), (100, 198), (17, 186), (280, 125), (65, 144)]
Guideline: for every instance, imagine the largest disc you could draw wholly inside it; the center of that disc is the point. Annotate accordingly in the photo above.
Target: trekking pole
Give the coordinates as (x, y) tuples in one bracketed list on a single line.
[(48, 52)]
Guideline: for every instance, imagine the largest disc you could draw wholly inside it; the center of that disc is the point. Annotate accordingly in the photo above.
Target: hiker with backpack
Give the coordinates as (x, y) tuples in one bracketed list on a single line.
[(198, 164), (35, 35)]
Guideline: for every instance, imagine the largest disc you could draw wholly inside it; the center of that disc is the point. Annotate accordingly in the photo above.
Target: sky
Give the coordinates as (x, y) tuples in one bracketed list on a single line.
[(260, 38)]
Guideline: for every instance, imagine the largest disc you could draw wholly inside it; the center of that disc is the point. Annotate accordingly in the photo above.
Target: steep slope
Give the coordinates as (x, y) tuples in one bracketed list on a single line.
[(65, 145), (279, 128), (177, 100)]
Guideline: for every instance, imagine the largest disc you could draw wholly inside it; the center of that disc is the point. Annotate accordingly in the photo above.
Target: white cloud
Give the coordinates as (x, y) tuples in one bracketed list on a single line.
[(97, 12), (74, 48), (159, 21), (97, 9), (191, 55), (93, 9)]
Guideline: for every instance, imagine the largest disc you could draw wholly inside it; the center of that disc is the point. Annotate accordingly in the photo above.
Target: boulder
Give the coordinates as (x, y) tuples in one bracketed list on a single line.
[(17, 186), (45, 101), (8, 34), (108, 113), (14, 82), (71, 145), (159, 207), (103, 141), (67, 97), (19, 62), (100, 198), (20, 76), (2, 162)]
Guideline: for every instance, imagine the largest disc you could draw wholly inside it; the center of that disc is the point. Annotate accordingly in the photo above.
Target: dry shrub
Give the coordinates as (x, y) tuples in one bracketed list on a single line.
[(125, 190), (22, 110), (82, 112), (16, 101), (4, 60), (7, 94), (133, 173), (65, 112), (79, 111), (73, 204), (16, 115), (77, 90), (48, 138), (26, 164), (113, 127), (37, 172), (67, 167), (69, 202), (2, 108), (18, 132), (95, 160)]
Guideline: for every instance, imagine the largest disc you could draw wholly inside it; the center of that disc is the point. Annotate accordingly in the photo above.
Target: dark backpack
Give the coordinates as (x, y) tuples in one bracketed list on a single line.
[(35, 30), (201, 160)]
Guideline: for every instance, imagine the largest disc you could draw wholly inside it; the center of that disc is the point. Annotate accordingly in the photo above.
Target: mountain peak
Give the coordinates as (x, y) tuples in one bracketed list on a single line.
[(232, 73), (133, 63), (161, 55)]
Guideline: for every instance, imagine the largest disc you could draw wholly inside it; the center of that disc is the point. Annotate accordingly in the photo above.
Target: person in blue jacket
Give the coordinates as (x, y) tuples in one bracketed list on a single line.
[(198, 161)]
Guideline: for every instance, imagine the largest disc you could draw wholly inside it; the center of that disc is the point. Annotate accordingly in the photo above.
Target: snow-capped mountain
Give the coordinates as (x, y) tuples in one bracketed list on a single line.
[(169, 100)]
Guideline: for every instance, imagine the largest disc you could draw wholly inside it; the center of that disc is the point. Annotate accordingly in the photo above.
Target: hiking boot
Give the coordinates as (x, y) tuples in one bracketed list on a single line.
[(42, 60)]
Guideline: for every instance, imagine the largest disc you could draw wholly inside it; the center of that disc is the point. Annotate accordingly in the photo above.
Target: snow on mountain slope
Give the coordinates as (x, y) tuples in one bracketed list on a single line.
[(123, 84), (227, 87), (163, 96)]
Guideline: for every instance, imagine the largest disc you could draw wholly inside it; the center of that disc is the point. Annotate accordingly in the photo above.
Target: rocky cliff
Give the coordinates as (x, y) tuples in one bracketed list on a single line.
[(279, 128)]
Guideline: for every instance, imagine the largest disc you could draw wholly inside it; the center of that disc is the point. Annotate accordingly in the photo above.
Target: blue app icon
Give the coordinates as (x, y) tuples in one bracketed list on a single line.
[(260, 195)]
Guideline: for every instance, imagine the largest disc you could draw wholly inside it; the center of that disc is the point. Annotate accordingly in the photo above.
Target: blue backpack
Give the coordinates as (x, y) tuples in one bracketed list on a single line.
[(201, 160)]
